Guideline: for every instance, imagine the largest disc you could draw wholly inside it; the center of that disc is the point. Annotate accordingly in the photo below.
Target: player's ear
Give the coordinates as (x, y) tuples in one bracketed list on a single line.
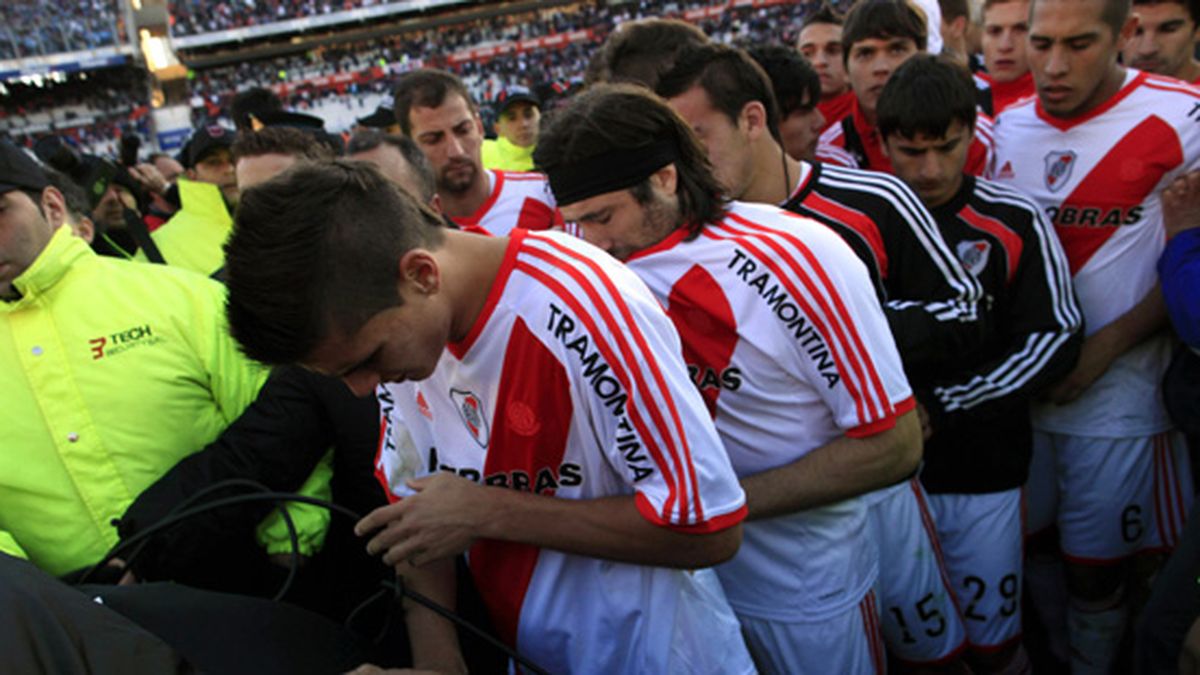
[(419, 272), (1128, 31), (753, 119), (665, 179)]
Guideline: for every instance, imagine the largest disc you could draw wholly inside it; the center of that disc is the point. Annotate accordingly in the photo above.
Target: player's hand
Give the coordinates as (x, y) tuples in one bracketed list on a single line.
[(440, 521), (1094, 359), (1181, 204)]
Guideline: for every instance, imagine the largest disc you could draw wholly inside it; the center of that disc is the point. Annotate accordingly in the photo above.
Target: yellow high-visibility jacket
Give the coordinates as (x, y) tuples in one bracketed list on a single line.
[(111, 371)]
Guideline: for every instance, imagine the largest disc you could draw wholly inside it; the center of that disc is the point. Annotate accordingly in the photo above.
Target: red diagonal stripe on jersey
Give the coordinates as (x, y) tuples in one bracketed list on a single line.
[(670, 476), (1009, 239), (702, 315), (855, 220), (537, 215), (686, 468), (760, 256), (529, 436), (380, 473), (1123, 179), (844, 329)]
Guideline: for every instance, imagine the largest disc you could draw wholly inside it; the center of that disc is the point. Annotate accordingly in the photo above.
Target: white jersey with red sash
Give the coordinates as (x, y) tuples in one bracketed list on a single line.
[(517, 199), (1098, 178), (570, 385), (784, 335)]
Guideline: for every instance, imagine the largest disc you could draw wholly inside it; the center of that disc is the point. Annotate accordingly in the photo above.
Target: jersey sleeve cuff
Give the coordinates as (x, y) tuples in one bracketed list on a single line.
[(884, 423), (714, 524)]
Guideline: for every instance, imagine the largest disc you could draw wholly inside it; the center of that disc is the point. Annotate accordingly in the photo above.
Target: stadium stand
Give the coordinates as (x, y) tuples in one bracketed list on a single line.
[(338, 77)]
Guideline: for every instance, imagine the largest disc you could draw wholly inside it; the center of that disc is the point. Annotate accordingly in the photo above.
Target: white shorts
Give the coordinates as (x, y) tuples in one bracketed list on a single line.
[(981, 537), (921, 624), (1110, 497), (848, 643)]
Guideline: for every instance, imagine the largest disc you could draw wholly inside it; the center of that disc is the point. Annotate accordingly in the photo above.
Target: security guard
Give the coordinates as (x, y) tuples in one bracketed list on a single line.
[(193, 237), (113, 372)]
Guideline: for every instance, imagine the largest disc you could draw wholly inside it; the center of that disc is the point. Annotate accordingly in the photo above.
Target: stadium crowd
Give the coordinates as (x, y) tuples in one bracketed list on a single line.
[(29, 28), (784, 339)]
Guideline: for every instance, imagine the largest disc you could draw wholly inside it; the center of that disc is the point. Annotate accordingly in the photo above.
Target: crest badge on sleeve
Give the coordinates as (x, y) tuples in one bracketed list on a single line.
[(1059, 164)]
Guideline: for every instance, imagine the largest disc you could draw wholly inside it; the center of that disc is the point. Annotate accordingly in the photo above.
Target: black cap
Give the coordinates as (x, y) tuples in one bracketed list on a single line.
[(382, 118), (19, 171), (515, 94), (206, 139)]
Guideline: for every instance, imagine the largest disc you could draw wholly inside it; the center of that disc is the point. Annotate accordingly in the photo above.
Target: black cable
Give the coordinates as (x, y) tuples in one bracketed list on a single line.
[(181, 513), (180, 516)]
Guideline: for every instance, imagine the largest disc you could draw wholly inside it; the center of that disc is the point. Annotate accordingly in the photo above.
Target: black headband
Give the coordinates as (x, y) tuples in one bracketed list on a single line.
[(610, 171)]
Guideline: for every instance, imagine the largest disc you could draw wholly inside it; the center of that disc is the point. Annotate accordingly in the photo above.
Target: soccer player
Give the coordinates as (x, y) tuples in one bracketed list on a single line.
[(820, 41), (977, 459), (931, 302), (535, 412), (928, 298), (786, 341), (640, 51), (400, 160), (1093, 151), (797, 92), (877, 37), (264, 154), (1165, 41), (1005, 34), (435, 109)]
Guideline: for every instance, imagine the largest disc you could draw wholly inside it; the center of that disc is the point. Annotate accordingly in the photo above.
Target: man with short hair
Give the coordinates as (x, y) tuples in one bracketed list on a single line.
[(264, 154), (977, 459), (877, 37), (168, 166), (820, 41), (1093, 150), (532, 392), (929, 300), (400, 160), (955, 24), (75, 203), (1004, 41), (518, 113), (797, 89), (642, 50), (434, 109), (787, 343), (1165, 41), (193, 237)]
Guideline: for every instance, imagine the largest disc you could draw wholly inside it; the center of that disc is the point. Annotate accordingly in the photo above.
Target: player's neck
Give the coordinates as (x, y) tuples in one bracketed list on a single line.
[(774, 174), (464, 204), (470, 264), (1190, 71), (830, 96), (1113, 81)]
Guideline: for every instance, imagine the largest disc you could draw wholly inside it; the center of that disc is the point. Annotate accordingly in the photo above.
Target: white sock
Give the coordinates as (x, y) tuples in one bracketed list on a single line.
[(1048, 594), (1095, 630)]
